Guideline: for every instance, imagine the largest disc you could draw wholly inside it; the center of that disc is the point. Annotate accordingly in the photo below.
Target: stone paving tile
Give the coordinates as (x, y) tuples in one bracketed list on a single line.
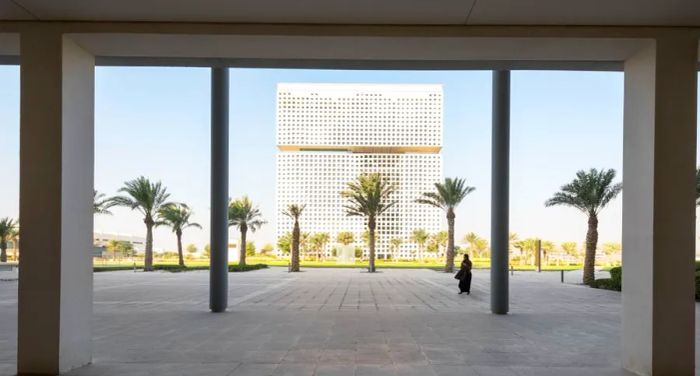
[(341, 322), (335, 370), (254, 370)]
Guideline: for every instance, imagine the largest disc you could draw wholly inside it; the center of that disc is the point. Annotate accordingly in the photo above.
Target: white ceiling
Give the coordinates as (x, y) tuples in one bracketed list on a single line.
[(444, 12)]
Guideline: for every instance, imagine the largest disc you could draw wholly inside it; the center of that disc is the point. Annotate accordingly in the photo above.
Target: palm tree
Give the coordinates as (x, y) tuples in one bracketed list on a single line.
[(14, 238), (419, 236), (245, 216), (318, 243), (368, 196), (589, 192), (294, 211), (395, 244), (441, 238), (471, 238), (481, 246), (345, 237), (447, 196), (177, 217), (8, 226), (101, 204), (148, 198)]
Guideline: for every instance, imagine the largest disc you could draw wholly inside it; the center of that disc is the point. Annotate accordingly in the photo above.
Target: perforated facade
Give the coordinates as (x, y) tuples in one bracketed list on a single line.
[(328, 134)]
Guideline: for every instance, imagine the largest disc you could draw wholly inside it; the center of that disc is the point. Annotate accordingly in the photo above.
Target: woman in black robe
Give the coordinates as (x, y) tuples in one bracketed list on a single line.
[(465, 275)]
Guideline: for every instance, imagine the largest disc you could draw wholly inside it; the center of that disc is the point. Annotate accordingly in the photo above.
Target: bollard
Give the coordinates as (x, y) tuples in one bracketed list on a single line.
[(562, 276), (512, 270)]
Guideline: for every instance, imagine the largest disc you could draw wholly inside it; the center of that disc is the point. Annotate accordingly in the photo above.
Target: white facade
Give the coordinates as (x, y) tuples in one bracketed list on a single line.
[(100, 239), (328, 134)]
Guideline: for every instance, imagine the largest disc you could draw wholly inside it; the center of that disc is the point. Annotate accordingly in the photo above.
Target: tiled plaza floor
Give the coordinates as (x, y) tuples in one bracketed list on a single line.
[(340, 322)]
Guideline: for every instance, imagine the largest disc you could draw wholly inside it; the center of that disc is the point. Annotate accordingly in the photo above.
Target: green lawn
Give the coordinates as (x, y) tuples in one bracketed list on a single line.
[(273, 261)]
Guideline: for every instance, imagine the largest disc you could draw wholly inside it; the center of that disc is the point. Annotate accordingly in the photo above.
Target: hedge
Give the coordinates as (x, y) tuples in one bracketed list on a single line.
[(174, 268), (98, 269), (615, 280), (245, 268), (605, 283), (612, 283)]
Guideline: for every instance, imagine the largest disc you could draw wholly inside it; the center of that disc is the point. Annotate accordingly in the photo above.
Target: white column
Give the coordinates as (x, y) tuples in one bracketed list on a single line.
[(56, 182), (658, 229)]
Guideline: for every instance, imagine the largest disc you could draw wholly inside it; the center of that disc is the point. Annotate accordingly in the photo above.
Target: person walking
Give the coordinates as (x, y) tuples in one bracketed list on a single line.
[(464, 275)]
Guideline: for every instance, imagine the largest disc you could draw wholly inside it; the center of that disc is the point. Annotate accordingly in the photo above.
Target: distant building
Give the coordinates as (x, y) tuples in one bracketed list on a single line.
[(101, 239), (328, 134)]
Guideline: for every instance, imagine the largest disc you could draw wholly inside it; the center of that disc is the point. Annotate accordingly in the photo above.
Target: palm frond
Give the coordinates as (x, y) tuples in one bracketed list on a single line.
[(589, 192), (447, 195)]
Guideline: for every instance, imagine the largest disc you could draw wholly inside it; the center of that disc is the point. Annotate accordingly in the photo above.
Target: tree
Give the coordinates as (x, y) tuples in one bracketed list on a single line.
[(369, 197), (101, 204), (250, 248), (245, 216), (547, 247), (207, 251), (365, 238), (318, 243), (148, 198), (191, 249), (284, 243), (304, 243), (527, 248), (447, 196), (177, 217), (395, 244), (267, 249), (441, 239), (120, 248), (294, 211), (432, 245), (471, 238), (570, 248), (611, 248), (419, 236), (345, 237), (14, 238), (589, 192), (8, 227), (481, 246)]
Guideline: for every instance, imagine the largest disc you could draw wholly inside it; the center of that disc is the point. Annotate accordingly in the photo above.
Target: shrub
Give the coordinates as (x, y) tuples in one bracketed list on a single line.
[(234, 268), (174, 268), (616, 275), (606, 283), (98, 269)]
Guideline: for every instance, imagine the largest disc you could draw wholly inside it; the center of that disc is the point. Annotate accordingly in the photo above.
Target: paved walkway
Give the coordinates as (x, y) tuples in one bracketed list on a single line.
[(341, 322)]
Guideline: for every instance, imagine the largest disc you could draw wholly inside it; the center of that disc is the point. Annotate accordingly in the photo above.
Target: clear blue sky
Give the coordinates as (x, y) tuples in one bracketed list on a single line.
[(155, 122)]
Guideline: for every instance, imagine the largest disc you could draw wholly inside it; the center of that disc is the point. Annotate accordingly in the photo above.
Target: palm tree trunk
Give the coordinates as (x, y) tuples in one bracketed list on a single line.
[(295, 247), (181, 260), (241, 256), (450, 253), (591, 243), (370, 227), (3, 251), (148, 256)]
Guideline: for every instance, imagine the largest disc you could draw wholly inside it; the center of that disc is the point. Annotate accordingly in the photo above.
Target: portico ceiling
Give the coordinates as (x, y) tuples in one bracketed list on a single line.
[(390, 12)]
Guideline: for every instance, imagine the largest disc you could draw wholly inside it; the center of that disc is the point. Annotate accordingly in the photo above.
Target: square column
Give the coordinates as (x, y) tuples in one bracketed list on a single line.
[(658, 223), (56, 183)]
